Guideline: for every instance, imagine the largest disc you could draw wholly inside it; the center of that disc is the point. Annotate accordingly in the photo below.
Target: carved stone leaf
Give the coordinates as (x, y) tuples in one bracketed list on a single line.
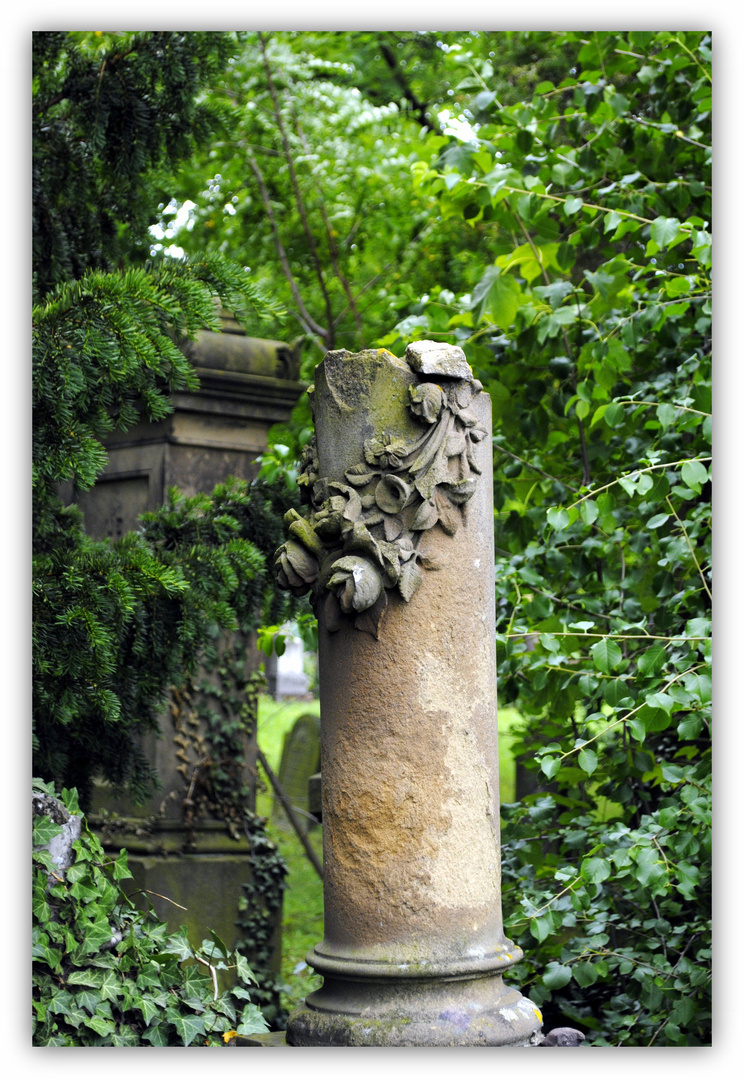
[(405, 548), (426, 517), (353, 509), (390, 562), (459, 491), (302, 561), (410, 578), (456, 444), (449, 518), (369, 621), (393, 527), (373, 518), (333, 619), (468, 418), (475, 467), (359, 475), (430, 447), (429, 563)]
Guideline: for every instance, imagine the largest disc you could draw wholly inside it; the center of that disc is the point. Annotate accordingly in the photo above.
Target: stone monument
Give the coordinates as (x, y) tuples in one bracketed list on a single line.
[(245, 386), (396, 550)]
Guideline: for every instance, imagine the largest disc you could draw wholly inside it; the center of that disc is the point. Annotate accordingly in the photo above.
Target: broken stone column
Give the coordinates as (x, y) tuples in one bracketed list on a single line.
[(396, 549)]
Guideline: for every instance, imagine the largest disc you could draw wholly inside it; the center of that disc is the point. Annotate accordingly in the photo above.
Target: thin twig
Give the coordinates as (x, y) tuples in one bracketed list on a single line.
[(635, 472), (213, 973), (692, 550), (297, 191), (290, 812), (306, 316)]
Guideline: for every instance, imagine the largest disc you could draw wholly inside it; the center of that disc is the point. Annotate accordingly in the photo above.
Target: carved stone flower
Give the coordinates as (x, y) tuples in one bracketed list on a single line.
[(392, 494), (385, 451), (295, 568), (426, 401), (356, 582)]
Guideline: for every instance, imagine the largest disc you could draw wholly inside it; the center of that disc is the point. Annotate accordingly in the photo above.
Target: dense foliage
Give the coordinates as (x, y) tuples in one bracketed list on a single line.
[(115, 624), (107, 973), (558, 227)]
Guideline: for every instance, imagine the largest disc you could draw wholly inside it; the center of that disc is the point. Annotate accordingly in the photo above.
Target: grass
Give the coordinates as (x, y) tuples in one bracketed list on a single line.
[(302, 925)]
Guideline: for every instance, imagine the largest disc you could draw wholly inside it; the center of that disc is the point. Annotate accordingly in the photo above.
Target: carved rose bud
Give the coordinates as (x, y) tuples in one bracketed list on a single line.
[(295, 568), (426, 401), (392, 494), (356, 583)]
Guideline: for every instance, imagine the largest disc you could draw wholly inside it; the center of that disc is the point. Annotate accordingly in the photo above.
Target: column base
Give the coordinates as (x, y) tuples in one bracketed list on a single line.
[(480, 1011)]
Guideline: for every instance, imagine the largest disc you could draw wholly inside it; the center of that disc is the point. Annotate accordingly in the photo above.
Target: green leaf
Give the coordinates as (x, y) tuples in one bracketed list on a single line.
[(540, 928), (550, 766), (110, 985), (100, 1025), (252, 1021), (595, 870), (652, 661), (156, 1034), (556, 975), (606, 655), (665, 230), (558, 518), (587, 760), (585, 973), (660, 701), (694, 474), (614, 414), (189, 1028), (690, 727), (589, 512)]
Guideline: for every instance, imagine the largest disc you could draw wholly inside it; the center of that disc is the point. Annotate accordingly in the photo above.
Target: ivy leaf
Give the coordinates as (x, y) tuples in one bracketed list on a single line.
[(245, 973), (156, 1035), (252, 1021), (189, 1028)]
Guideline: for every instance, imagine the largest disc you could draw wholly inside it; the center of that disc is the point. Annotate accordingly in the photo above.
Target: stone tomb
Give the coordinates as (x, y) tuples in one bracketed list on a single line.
[(246, 386)]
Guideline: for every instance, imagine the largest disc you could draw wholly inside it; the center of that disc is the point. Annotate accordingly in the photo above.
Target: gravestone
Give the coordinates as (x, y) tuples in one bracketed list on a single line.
[(285, 674), (396, 551), (300, 760)]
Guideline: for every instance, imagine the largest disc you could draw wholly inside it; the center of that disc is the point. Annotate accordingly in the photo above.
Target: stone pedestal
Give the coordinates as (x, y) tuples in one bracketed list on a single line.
[(398, 551), (246, 386)]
